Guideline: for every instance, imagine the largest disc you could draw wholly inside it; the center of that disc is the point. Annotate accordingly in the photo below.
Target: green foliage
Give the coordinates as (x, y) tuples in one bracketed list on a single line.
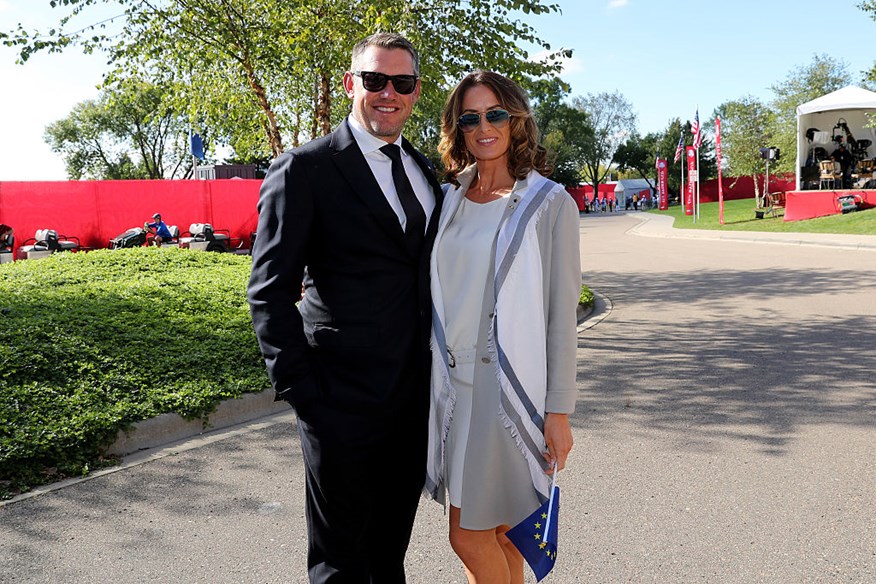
[(639, 154), (130, 132), (612, 120), (93, 342), (586, 298), (566, 134), (823, 75), (739, 216), (260, 73), (745, 127)]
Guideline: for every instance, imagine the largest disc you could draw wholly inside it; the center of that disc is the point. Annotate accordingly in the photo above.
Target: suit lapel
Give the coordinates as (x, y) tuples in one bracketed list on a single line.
[(352, 165)]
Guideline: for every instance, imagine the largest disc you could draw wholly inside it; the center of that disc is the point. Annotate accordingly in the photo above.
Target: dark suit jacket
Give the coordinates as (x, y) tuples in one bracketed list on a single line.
[(364, 321)]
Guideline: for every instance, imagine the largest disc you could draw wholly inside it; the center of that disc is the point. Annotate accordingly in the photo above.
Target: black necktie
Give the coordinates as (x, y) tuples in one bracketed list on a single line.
[(415, 217)]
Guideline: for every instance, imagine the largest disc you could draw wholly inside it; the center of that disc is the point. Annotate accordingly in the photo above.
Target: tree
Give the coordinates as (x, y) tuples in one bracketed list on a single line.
[(823, 75), (611, 120), (639, 154), (745, 127), (566, 134), (260, 73), (128, 132)]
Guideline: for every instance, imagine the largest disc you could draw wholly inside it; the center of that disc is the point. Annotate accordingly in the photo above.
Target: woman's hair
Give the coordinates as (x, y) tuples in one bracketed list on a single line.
[(525, 153)]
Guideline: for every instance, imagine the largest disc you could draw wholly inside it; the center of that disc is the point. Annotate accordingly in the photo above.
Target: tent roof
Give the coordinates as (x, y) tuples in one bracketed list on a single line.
[(633, 184), (850, 97)]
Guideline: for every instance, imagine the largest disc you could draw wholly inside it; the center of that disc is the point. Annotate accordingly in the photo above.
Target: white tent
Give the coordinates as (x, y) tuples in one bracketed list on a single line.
[(626, 188), (848, 105)]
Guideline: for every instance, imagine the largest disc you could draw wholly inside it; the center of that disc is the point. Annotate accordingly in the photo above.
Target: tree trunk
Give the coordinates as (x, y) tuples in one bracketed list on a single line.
[(325, 103), (271, 128), (314, 119), (758, 199), (297, 128)]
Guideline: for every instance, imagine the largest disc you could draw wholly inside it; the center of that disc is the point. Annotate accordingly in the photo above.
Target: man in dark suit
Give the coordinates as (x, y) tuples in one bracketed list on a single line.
[(843, 156), (354, 219)]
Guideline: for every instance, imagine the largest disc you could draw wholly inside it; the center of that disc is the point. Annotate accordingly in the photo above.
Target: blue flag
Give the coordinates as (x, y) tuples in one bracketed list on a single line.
[(197, 146), (536, 536)]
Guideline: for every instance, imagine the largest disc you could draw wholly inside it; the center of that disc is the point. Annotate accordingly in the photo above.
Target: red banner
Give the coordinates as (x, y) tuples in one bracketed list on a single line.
[(690, 191), (661, 184), (718, 157)]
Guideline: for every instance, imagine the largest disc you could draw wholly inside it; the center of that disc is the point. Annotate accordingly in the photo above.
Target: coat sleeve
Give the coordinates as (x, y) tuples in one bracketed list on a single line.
[(286, 216), (562, 325)]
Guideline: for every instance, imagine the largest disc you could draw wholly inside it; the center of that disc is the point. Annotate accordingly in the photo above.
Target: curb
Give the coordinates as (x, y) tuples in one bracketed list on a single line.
[(166, 428), (661, 226), (599, 311)]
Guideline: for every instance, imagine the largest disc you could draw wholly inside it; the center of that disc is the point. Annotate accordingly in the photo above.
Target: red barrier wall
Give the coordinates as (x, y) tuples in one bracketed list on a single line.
[(584, 194), (743, 187), (810, 204), (97, 211)]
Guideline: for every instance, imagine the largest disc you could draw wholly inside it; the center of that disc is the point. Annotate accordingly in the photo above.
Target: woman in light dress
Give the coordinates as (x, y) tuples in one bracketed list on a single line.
[(506, 278)]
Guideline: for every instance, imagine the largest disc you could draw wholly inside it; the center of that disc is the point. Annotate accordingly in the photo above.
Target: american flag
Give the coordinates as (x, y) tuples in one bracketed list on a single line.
[(697, 131), (680, 148)]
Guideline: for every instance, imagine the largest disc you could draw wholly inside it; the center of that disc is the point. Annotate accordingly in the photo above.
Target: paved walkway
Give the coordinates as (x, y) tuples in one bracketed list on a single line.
[(725, 433)]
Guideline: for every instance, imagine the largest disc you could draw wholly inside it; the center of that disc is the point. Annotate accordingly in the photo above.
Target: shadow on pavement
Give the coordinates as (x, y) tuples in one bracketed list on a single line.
[(706, 379)]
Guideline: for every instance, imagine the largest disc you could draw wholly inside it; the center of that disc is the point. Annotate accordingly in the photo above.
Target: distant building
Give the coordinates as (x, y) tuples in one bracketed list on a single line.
[(221, 171)]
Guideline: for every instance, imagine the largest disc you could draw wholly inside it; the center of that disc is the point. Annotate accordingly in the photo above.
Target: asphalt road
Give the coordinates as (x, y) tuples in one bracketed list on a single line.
[(725, 433)]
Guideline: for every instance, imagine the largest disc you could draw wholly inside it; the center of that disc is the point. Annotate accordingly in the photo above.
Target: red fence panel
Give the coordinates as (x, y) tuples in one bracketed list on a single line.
[(96, 211)]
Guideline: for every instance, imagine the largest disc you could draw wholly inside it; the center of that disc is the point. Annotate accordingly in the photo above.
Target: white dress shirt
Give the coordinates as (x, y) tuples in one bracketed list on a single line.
[(381, 167)]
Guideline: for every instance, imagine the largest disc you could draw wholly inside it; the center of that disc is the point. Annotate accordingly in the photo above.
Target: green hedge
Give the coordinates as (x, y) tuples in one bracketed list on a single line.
[(92, 342)]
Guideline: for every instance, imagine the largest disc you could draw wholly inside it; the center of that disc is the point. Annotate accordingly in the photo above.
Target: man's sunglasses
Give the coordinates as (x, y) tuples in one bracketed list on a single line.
[(497, 117), (373, 81)]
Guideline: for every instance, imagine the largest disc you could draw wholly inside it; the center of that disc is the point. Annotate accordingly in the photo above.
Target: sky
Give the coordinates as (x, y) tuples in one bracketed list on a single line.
[(667, 57)]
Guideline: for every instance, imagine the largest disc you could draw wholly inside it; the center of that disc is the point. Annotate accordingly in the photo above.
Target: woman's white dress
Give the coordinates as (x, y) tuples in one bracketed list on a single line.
[(464, 264)]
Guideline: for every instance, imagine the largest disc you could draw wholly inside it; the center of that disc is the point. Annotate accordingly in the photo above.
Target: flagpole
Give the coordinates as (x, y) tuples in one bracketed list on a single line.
[(698, 141), (681, 188), (547, 525), (697, 205)]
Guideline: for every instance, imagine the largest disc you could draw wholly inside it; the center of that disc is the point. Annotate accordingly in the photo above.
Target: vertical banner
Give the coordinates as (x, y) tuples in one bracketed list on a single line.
[(662, 189), (690, 154), (718, 158)]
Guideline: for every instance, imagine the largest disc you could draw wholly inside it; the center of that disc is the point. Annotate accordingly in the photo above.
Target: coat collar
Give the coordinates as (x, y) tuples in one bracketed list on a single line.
[(351, 164)]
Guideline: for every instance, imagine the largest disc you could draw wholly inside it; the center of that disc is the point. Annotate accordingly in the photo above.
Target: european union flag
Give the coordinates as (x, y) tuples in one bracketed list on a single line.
[(536, 536)]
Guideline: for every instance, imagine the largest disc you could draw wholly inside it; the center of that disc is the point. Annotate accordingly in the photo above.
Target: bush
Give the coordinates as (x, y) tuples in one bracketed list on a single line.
[(93, 342), (586, 298)]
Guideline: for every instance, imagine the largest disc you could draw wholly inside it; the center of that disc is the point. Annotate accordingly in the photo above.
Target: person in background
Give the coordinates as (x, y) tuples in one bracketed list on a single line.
[(160, 228), (844, 158), (505, 277), (7, 239)]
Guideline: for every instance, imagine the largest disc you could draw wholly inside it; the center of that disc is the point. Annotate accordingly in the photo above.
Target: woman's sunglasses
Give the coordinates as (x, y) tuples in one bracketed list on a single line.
[(373, 81), (497, 117)]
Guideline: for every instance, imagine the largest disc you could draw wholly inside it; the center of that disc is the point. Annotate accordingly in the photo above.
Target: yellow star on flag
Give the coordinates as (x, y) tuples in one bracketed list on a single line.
[(538, 525), (537, 536), (541, 545)]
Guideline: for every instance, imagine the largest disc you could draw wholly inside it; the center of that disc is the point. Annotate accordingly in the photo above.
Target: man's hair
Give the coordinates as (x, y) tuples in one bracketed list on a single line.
[(525, 152), (386, 40)]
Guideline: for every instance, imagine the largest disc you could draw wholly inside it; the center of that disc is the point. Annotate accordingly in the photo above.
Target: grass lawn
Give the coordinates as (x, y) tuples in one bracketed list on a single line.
[(739, 216)]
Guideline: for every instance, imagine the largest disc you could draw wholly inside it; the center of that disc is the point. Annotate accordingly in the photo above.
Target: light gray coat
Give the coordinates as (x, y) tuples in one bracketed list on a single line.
[(497, 488)]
